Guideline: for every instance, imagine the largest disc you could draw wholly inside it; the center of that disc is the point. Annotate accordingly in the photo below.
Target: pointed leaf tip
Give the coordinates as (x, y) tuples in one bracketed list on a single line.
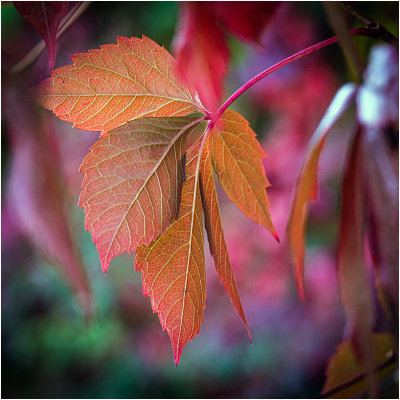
[(173, 266)]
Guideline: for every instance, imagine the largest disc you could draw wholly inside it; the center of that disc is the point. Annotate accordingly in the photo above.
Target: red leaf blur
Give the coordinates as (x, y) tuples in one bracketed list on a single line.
[(201, 47), (45, 16)]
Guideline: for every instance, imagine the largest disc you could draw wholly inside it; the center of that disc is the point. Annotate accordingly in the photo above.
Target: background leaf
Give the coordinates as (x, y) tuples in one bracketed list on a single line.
[(173, 266), (105, 88), (353, 278), (306, 185), (201, 46), (347, 377), (378, 112), (132, 185), (45, 16), (36, 192)]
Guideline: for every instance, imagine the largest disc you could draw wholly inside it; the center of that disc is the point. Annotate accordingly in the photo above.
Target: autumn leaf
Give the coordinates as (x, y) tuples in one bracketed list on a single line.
[(132, 185), (347, 377), (215, 232), (353, 277), (107, 87), (45, 16), (307, 186), (236, 158), (378, 113), (173, 266)]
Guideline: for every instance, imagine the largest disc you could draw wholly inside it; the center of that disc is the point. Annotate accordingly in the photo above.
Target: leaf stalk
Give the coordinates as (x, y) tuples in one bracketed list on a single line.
[(369, 31)]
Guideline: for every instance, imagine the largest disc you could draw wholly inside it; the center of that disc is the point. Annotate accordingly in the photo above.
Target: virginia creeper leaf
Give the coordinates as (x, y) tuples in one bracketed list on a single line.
[(173, 266), (307, 185), (132, 184), (236, 158), (45, 16), (354, 284), (215, 233), (107, 87), (347, 377)]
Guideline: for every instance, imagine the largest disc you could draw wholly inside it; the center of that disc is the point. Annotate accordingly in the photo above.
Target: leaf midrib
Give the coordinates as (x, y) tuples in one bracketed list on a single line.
[(153, 171), (245, 177)]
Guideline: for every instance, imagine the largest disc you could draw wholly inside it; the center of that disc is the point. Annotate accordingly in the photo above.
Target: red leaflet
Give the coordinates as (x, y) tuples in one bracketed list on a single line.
[(173, 269), (215, 233), (132, 185), (236, 158), (105, 88), (306, 185), (45, 16)]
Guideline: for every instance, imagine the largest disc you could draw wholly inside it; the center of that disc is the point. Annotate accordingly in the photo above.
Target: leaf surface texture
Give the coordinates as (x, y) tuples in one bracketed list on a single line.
[(132, 184), (107, 87), (173, 266), (236, 158)]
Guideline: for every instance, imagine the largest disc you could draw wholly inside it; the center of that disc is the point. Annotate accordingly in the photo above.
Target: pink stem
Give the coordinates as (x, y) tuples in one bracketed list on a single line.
[(280, 64)]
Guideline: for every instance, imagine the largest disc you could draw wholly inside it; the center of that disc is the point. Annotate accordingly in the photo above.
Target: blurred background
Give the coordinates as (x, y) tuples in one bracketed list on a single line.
[(51, 275)]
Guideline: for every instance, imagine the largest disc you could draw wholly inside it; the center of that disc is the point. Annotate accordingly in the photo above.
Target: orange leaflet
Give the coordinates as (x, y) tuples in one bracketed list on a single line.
[(132, 184), (215, 233), (107, 87), (173, 266), (236, 158), (306, 185)]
